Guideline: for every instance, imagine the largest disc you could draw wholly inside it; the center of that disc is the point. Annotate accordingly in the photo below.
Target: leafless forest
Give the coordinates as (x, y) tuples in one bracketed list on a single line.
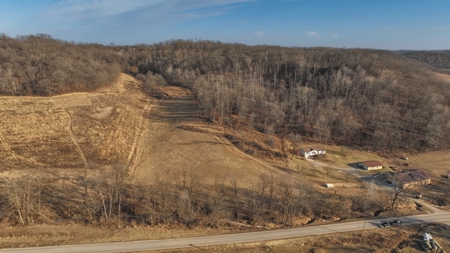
[(438, 59), (361, 97), (41, 66)]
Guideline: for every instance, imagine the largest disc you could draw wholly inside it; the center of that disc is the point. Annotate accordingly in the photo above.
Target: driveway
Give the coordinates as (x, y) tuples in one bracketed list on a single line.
[(348, 170)]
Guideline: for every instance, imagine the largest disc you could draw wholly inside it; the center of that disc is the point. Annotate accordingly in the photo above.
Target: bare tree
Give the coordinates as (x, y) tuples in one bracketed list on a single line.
[(110, 186), (399, 184), (25, 198), (287, 192)]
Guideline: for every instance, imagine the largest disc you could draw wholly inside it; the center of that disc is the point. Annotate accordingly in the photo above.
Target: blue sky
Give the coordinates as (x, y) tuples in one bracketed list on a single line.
[(383, 24)]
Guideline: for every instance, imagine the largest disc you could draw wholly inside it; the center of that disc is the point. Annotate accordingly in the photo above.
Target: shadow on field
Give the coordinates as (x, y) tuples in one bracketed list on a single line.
[(205, 142), (178, 109), (354, 165), (285, 169)]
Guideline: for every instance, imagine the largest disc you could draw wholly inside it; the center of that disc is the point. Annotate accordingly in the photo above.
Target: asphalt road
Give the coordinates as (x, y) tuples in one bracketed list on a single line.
[(229, 239)]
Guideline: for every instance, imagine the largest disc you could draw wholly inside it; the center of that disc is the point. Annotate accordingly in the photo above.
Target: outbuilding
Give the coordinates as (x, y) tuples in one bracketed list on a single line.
[(371, 165), (409, 178)]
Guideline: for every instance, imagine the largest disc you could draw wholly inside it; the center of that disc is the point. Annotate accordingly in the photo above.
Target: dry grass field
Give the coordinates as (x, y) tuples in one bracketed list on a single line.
[(71, 131), (177, 139), (444, 77), (437, 162)]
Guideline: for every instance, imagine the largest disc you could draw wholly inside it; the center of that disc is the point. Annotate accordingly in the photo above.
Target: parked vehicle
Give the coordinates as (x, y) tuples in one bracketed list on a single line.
[(384, 224), (396, 223)]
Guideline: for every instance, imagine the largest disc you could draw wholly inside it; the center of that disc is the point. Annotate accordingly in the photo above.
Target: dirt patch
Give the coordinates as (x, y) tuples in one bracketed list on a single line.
[(200, 128), (444, 77), (259, 145), (103, 112), (176, 92), (73, 100)]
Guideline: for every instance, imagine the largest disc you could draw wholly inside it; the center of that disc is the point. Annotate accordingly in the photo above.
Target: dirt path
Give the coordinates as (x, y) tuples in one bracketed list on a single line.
[(167, 149), (134, 156), (429, 206), (75, 141)]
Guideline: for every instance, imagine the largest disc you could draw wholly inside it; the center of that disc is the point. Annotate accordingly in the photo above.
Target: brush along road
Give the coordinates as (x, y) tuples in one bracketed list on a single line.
[(229, 239)]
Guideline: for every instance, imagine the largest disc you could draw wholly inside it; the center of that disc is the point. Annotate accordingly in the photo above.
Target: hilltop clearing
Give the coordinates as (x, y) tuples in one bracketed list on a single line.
[(178, 141)]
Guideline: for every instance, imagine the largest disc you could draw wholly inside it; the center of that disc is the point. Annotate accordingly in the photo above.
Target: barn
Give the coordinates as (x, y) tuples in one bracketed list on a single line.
[(409, 178), (371, 165)]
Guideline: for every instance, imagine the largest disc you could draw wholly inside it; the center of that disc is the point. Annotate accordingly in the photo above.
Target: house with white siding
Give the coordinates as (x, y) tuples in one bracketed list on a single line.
[(312, 152)]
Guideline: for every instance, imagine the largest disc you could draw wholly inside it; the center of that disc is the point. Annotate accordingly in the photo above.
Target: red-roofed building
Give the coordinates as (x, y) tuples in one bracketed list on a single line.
[(408, 178), (371, 165)]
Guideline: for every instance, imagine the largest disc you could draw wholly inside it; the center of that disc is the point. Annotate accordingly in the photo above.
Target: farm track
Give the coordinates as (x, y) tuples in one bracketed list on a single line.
[(135, 152), (75, 141)]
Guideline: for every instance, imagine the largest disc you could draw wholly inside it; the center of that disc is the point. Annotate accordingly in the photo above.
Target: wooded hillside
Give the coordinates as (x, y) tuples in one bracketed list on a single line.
[(371, 98), (40, 65), (438, 59)]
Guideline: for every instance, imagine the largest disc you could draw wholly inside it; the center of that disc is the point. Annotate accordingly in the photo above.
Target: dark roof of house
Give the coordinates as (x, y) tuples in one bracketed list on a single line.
[(372, 163), (413, 175)]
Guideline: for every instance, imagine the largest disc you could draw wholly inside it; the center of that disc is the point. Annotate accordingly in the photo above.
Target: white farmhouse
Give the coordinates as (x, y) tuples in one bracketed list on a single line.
[(313, 152)]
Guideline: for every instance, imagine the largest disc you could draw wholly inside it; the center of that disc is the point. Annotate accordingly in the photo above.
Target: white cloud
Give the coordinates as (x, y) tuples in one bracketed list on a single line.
[(81, 10), (71, 10), (433, 28), (313, 34), (259, 33)]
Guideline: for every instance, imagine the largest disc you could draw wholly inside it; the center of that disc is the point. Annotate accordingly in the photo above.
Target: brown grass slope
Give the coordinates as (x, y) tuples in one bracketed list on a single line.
[(168, 148), (72, 130)]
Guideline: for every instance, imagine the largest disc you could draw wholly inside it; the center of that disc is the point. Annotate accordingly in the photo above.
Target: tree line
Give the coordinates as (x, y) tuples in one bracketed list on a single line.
[(41, 66), (439, 58), (178, 196)]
